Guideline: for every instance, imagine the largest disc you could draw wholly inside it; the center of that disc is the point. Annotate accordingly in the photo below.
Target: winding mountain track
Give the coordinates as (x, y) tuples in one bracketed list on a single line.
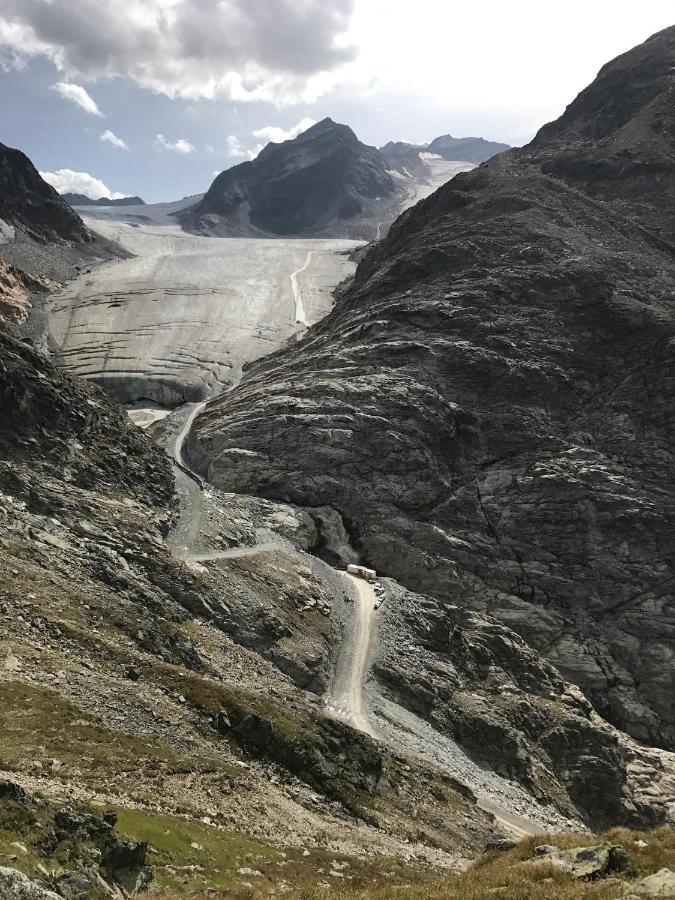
[(239, 552), (186, 533), (515, 811)]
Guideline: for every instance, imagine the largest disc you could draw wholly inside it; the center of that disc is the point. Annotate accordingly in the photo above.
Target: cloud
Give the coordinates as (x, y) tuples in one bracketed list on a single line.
[(76, 94), (110, 138), (179, 146), (69, 181), (277, 50), (273, 133), (235, 147)]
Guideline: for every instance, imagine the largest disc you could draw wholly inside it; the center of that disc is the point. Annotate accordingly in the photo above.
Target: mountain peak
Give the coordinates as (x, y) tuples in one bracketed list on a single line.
[(328, 126), (28, 201), (323, 179)]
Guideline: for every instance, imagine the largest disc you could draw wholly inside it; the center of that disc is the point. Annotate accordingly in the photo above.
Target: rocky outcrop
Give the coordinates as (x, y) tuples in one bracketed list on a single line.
[(659, 884), (72, 430), (323, 182), (26, 200), (14, 298), (584, 863), (92, 860), (490, 404)]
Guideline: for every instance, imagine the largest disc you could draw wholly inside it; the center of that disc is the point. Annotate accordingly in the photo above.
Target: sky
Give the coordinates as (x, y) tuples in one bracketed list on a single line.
[(154, 97)]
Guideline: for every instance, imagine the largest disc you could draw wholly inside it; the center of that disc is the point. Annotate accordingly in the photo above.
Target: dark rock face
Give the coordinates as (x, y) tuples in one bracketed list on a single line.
[(302, 186), (28, 201), (79, 839), (491, 403), (71, 428), (83, 200)]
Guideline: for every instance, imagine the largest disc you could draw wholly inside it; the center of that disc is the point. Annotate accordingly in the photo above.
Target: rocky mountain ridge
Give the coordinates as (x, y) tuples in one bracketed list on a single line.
[(411, 158), (41, 236), (83, 200), (324, 182), (472, 149), (490, 404), (29, 203)]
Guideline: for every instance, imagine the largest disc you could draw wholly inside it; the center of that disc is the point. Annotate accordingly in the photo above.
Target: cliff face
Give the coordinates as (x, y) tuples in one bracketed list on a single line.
[(28, 201), (315, 183), (491, 403)]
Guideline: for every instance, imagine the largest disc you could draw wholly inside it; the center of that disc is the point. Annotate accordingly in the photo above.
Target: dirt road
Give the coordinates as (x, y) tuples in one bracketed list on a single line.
[(346, 698)]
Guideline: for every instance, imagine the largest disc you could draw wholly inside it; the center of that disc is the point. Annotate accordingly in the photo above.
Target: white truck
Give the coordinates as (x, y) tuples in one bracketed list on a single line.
[(362, 572)]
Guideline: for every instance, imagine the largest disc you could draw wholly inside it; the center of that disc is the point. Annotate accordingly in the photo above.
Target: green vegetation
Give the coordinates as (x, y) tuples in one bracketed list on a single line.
[(504, 876), (38, 727), (191, 858)]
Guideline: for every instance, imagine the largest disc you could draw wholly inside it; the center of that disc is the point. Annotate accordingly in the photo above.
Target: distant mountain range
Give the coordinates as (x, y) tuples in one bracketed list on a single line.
[(83, 200), (325, 182), (413, 159), (469, 149)]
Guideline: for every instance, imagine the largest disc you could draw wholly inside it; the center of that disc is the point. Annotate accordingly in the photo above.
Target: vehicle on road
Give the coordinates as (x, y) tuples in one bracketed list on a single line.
[(362, 572)]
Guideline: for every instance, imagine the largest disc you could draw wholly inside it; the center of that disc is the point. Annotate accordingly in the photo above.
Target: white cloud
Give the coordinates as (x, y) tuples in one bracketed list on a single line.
[(277, 50), (69, 181), (76, 94), (276, 134), (235, 147), (178, 146), (111, 138)]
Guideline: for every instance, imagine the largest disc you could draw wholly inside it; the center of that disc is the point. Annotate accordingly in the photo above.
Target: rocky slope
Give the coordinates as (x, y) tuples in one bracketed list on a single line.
[(323, 182), (490, 404), (186, 698)]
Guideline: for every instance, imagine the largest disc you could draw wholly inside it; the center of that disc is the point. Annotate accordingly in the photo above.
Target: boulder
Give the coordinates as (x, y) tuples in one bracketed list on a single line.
[(584, 862), (660, 884), (16, 886)]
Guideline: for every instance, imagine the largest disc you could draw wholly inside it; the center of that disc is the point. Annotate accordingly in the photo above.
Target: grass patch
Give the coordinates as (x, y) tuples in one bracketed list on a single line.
[(216, 863), (495, 875), (37, 725)]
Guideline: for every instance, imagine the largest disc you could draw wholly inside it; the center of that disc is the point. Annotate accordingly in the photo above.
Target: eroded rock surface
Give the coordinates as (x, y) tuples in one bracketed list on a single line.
[(491, 405)]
